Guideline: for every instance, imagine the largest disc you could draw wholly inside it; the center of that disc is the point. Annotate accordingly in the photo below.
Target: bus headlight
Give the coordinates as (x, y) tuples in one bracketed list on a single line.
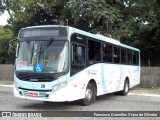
[(55, 87), (63, 84), (59, 86)]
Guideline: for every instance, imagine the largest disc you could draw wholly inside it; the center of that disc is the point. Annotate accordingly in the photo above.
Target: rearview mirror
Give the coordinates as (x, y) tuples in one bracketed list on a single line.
[(11, 45)]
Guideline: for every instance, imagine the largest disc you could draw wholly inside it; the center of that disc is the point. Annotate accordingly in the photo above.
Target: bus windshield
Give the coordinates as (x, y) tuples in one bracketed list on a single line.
[(49, 56)]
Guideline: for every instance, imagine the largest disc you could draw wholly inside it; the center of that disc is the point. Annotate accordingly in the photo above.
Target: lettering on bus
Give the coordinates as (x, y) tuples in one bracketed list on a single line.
[(92, 72)]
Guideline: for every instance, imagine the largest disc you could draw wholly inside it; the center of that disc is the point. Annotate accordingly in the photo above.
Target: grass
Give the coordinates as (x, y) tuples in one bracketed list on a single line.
[(4, 82)]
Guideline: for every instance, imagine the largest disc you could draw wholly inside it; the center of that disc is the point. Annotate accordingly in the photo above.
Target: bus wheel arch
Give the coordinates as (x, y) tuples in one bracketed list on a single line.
[(90, 93), (126, 87)]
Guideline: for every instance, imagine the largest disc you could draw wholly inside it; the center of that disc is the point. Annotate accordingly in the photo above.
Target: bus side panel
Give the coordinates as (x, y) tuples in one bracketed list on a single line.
[(134, 73), (80, 81), (112, 77), (115, 76)]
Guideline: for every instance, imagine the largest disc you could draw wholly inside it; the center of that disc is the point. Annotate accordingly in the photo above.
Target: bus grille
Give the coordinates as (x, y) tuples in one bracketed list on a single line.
[(35, 77)]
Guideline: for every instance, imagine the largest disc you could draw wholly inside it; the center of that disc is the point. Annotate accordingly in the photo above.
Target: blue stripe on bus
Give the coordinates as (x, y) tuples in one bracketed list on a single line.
[(102, 78)]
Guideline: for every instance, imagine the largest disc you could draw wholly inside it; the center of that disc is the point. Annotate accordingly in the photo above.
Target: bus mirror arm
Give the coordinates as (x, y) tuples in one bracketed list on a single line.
[(10, 44)]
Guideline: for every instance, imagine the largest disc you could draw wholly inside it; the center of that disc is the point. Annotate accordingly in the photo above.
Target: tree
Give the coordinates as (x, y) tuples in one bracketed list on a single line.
[(5, 35), (37, 12), (96, 16), (148, 32), (6, 5), (133, 22)]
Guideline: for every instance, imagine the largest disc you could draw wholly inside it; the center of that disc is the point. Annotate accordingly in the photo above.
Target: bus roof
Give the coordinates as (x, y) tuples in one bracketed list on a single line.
[(96, 36)]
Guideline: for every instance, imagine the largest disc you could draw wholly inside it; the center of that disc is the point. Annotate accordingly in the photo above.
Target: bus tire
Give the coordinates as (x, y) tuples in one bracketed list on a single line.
[(47, 102), (125, 90), (90, 95)]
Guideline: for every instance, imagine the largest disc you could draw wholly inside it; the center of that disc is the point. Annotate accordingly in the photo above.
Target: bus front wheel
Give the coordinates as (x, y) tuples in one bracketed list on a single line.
[(125, 90), (89, 95)]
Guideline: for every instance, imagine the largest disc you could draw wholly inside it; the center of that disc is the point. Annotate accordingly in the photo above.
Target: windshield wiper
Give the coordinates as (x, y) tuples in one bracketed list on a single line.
[(49, 44), (42, 51)]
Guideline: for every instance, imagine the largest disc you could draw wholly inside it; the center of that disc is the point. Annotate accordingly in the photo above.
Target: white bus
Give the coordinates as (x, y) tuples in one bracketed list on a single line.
[(62, 63)]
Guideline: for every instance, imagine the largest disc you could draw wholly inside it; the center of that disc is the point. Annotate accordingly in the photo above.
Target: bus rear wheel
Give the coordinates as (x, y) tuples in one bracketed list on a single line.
[(125, 90), (90, 95)]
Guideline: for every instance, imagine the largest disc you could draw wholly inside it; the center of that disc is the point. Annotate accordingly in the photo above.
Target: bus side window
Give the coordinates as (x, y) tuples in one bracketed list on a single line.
[(94, 50), (135, 58), (129, 57), (123, 56), (78, 54), (107, 53), (116, 54)]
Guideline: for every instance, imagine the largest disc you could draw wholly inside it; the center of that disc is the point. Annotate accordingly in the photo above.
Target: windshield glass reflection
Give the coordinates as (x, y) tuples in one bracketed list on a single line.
[(42, 56)]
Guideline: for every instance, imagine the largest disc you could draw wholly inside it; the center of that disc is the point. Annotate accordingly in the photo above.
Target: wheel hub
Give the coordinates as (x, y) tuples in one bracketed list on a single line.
[(88, 94), (126, 88)]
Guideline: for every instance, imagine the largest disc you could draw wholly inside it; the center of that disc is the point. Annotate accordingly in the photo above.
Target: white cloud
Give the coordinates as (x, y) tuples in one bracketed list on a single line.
[(3, 18)]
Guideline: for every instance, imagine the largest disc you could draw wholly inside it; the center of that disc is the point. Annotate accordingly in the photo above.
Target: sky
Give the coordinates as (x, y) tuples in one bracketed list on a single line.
[(3, 18)]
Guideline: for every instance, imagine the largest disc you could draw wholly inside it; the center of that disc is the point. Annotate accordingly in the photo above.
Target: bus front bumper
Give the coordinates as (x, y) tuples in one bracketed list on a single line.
[(62, 95)]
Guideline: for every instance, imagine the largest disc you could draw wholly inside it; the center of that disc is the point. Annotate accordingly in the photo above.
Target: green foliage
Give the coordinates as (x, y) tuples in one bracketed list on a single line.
[(2, 7), (133, 22), (95, 16), (5, 5), (148, 34), (5, 35), (37, 12)]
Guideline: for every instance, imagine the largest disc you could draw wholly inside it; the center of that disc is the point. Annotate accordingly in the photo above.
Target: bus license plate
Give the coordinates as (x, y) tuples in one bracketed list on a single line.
[(33, 94)]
